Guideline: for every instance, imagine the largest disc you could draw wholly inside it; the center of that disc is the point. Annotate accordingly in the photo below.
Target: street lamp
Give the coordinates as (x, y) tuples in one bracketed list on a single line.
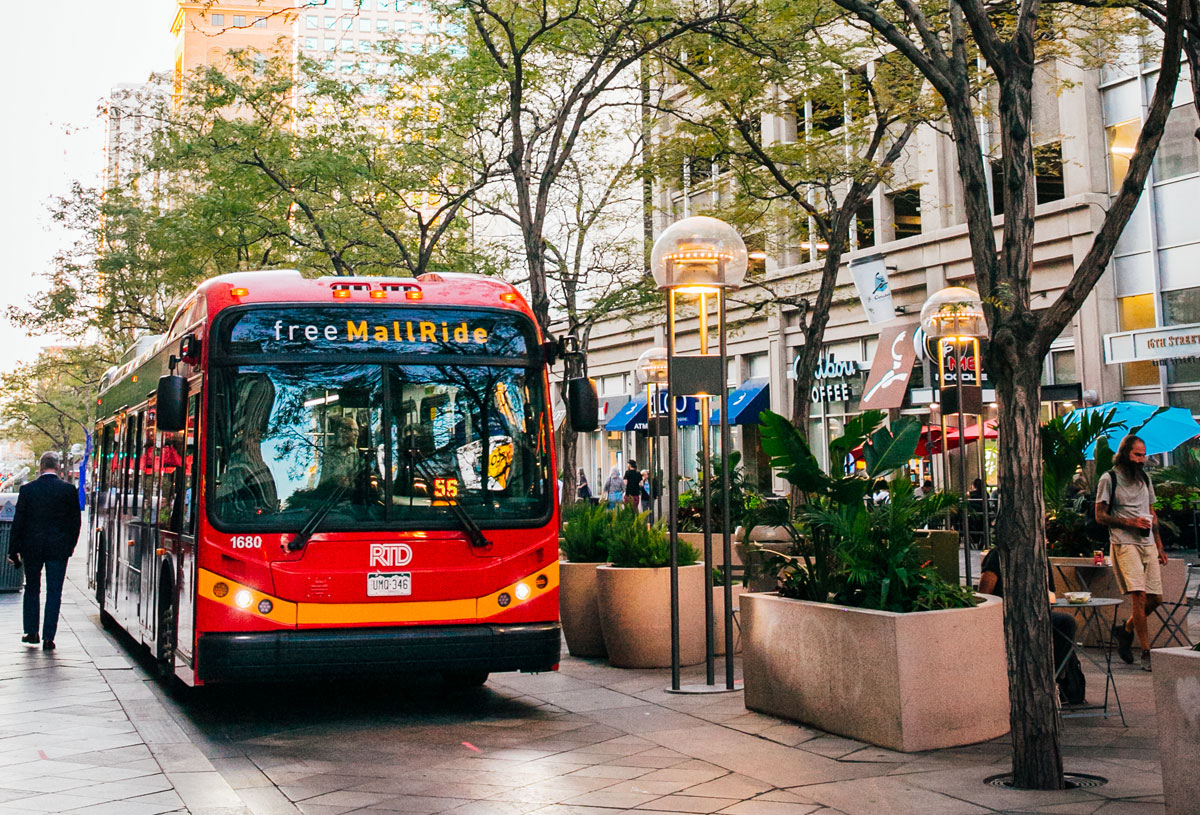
[(651, 373), (701, 257), (954, 317)]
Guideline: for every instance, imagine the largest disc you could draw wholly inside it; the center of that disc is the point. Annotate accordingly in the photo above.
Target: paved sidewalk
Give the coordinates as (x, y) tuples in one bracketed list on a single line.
[(85, 729)]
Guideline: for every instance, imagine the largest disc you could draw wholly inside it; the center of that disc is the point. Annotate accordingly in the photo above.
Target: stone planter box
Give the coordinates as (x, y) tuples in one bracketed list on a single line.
[(1177, 702), (578, 609), (908, 682), (1102, 583), (635, 615), (696, 539)]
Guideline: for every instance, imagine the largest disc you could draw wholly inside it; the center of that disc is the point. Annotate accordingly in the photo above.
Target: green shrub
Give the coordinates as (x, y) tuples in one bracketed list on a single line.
[(634, 543), (584, 533)]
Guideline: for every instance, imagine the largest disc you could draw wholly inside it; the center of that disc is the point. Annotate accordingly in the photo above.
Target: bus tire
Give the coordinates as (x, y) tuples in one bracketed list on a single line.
[(106, 621), (464, 679), (164, 651)]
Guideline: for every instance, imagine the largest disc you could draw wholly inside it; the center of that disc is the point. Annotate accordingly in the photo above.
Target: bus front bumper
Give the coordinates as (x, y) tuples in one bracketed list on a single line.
[(267, 656)]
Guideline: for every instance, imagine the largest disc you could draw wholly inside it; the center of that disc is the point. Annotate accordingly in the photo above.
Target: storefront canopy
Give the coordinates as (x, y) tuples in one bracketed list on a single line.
[(635, 416), (745, 403)]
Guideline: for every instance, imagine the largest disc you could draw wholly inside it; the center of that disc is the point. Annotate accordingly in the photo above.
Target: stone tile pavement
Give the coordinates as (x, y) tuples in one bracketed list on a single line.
[(85, 729)]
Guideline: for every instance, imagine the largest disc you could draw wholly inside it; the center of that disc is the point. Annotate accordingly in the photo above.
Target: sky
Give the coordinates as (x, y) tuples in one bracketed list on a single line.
[(59, 63)]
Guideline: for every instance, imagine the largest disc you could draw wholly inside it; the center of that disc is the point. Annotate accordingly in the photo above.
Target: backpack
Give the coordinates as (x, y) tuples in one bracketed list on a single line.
[(1093, 529), (1072, 685)]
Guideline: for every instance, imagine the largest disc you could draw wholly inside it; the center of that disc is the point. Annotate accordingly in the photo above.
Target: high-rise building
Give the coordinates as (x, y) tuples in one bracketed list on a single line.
[(205, 32)]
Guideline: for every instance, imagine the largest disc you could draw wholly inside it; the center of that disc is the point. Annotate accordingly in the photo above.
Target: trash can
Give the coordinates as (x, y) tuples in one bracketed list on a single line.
[(10, 576)]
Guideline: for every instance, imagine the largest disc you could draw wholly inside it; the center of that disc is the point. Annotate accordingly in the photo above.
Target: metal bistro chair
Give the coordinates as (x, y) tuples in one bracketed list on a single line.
[(1174, 614)]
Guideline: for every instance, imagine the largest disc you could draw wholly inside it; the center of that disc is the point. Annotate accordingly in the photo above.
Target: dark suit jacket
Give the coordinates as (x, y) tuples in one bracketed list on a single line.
[(46, 522)]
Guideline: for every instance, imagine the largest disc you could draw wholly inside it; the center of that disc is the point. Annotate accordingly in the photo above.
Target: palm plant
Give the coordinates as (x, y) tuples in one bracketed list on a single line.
[(849, 551)]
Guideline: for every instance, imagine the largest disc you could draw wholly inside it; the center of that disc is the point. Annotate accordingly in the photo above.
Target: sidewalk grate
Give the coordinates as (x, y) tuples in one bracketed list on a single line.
[(1072, 781)]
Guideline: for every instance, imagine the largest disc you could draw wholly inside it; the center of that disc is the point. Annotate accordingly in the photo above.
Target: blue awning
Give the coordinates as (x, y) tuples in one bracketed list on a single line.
[(745, 403), (634, 412)]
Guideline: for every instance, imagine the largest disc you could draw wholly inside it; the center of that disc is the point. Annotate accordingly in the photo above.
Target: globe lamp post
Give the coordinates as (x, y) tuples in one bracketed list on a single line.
[(954, 318), (701, 258)]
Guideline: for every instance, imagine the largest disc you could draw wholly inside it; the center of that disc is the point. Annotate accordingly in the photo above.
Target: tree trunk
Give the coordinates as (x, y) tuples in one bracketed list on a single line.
[(1020, 534)]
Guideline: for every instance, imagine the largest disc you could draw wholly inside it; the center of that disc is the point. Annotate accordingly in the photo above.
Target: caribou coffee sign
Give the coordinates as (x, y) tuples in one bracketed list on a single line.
[(830, 378)]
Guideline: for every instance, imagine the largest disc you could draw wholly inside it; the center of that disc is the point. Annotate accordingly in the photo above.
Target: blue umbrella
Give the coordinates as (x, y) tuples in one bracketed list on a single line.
[(1161, 428)]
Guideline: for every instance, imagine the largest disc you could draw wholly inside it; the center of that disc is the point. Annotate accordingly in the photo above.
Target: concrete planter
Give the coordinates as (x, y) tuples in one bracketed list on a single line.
[(635, 615), (578, 609), (1068, 572), (761, 581), (1177, 702), (909, 682)]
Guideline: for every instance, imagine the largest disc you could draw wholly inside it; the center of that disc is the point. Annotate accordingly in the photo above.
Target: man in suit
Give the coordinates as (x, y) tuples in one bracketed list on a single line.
[(45, 528)]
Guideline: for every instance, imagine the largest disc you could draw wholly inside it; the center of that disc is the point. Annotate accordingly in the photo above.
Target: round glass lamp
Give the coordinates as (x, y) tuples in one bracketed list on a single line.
[(699, 254), (953, 312), (651, 368)]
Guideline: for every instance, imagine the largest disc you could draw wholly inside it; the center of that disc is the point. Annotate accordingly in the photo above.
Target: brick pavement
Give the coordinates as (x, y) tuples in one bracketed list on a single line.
[(85, 729)]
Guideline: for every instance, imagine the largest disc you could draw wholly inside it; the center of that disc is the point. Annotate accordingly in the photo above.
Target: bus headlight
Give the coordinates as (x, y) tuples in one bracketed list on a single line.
[(243, 598), (522, 591)]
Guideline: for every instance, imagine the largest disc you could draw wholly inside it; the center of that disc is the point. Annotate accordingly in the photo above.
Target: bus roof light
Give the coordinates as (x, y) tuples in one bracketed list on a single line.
[(379, 294), (509, 297), (413, 294), (341, 294), (239, 291)]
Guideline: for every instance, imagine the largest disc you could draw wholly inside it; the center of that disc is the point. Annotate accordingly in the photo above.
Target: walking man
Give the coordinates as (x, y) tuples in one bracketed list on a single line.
[(1125, 504), (45, 528)]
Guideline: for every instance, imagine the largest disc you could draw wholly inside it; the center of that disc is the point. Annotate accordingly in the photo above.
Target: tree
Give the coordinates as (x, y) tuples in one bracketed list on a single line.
[(941, 43), (853, 109), (49, 403)]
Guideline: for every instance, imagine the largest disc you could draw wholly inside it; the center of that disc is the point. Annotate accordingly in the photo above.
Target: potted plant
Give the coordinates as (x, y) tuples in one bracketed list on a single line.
[(634, 595), (864, 639), (583, 548), (1177, 702)]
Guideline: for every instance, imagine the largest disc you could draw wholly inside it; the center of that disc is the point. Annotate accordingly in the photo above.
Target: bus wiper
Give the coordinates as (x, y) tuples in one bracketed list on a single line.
[(474, 533), (314, 520)]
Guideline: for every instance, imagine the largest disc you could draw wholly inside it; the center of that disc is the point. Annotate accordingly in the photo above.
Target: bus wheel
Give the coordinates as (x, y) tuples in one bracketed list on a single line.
[(106, 620), (164, 657), (464, 679)]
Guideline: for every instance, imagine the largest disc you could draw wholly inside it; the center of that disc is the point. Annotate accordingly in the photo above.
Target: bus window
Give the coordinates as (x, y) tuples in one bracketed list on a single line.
[(149, 466), (172, 482), (127, 469), (134, 462)]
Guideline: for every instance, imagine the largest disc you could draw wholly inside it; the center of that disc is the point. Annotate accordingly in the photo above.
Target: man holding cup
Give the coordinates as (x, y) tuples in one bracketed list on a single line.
[(1125, 504)]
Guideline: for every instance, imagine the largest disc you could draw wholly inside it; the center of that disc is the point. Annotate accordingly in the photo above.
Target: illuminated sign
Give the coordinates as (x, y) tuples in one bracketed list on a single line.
[(387, 330)]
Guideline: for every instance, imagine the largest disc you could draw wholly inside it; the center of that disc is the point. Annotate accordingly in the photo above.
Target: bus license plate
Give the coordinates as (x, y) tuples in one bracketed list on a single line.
[(389, 584)]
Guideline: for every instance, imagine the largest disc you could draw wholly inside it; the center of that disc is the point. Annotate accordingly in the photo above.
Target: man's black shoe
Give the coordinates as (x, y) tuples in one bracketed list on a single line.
[(31, 639), (1124, 640), (48, 645)]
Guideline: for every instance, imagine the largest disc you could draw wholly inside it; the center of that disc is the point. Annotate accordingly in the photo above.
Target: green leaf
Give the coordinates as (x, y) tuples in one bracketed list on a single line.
[(790, 453), (891, 448), (857, 431)]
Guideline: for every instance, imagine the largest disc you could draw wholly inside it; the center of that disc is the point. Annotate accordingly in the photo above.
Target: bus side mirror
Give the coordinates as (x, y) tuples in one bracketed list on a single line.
[(171, 405), (583, 406)]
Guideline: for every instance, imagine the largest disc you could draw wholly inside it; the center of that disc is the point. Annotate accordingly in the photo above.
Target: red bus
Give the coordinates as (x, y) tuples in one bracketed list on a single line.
[(316, 478)]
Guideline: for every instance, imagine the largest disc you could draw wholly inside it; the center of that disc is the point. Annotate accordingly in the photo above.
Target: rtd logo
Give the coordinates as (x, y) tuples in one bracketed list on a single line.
[(390, 554)]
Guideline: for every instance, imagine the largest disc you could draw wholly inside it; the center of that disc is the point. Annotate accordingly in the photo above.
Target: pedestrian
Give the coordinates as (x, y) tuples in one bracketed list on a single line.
[(645, 496), (633, 486), (925, 489), (583, 491), (880, 494), (1125, 504), (45, 528), (614, 488)]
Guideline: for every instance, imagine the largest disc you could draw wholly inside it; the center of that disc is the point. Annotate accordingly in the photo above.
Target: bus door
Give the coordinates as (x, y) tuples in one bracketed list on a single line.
[(132, 529), (173, 517), (146, 556)]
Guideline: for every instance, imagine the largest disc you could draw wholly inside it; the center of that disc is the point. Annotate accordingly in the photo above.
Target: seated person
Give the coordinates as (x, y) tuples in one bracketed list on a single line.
[(1063, 624)]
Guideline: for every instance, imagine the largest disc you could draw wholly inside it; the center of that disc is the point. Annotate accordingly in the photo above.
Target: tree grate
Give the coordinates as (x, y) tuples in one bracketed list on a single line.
[(1072, 781)]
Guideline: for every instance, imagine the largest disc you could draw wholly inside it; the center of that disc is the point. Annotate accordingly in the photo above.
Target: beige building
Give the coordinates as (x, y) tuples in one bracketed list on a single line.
[(204, 32), (1086, 123)]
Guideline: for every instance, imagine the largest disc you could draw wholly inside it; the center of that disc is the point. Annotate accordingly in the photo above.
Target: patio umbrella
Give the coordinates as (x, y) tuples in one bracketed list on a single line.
[(1166, 428)]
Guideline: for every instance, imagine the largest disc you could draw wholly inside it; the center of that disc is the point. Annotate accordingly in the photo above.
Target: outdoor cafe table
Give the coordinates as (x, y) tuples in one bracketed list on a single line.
[(1091, 618)]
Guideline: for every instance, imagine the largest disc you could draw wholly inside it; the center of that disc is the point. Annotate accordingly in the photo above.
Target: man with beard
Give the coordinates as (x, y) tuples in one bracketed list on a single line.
[(1125, 504)]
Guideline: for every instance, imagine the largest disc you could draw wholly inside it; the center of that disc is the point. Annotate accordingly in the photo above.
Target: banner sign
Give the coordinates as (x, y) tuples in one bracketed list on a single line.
[(1150, 344), (871, 280), (891, 368)]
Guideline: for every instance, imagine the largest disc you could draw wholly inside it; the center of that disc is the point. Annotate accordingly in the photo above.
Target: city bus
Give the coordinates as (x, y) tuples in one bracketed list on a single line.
[(315, 478)]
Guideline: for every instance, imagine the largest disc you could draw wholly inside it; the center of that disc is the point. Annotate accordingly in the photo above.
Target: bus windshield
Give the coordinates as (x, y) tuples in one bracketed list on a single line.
[(397, 441)]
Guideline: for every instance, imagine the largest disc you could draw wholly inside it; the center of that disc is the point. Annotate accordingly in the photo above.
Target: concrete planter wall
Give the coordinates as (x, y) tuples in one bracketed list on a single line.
[(909, 682), (1102, 583), (635, 615), (1177, 702), (578, 609)]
